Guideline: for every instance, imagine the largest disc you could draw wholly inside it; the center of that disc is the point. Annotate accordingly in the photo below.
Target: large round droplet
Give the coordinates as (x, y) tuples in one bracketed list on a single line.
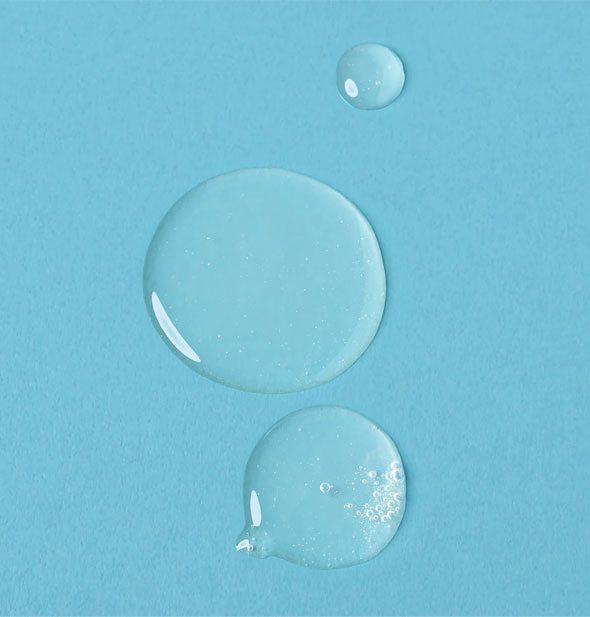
[(370, 76), (323, 488), (265, 280)]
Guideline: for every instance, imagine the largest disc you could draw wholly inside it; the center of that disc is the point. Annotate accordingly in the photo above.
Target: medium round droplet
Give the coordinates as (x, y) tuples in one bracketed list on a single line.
[(290, 518), (370, 76), (325, 487), (265, 280)]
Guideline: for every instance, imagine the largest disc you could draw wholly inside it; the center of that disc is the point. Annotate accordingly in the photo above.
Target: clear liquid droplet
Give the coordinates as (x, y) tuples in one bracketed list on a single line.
[(265, 280), (370, 76), (299, 522)]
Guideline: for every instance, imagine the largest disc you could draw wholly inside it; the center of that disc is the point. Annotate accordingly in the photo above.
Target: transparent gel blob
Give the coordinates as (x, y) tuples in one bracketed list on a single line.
[(324, 488), (265, 280), (370, 76)]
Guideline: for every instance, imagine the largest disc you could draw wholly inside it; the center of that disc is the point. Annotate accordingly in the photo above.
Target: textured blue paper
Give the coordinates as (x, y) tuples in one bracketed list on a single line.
[(121, 469)]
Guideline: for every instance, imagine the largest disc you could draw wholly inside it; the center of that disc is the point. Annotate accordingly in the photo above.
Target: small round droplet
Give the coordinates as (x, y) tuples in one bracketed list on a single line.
[(370, 76), (325, 487), (372, 474)]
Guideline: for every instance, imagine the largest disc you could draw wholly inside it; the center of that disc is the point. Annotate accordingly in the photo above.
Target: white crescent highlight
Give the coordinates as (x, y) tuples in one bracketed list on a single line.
[(255, 510), (170, 330)]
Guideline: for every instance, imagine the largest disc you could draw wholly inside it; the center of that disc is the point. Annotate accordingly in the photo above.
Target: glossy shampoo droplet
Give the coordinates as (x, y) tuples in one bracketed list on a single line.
[(370, 76), (265, 280), (309, 507)]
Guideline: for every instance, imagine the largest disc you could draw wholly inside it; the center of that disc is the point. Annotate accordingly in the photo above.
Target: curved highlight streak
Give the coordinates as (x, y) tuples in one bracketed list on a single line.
[(243, 544), (255, 510), (170, 330)]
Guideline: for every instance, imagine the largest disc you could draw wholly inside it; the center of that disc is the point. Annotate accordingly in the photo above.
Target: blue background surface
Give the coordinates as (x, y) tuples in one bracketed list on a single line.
[(121, 470)]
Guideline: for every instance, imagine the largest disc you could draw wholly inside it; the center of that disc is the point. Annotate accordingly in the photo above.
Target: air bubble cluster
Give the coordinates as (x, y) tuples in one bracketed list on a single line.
[(387, 499)]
